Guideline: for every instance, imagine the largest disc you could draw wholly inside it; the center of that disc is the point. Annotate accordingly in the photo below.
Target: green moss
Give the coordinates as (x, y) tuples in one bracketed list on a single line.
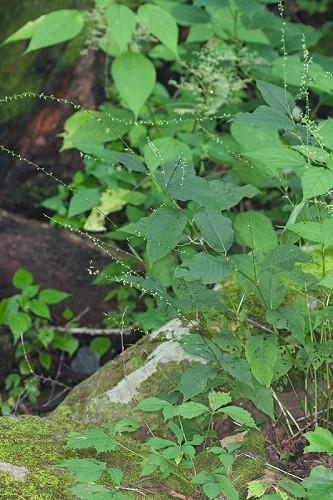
[(247, 469), (38, 444)]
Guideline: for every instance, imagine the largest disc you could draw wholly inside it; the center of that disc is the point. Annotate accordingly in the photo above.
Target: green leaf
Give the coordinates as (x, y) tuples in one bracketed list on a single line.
[(288, 318), (316, 181), (212, 490), (100, 346), (163, 231), (325, 130), (266, 118), (45, 336), (294, 488), (52, 296), (237, 368), (319, 483), (261, 353), (318, 353), (255, 230), (240, 415), (215, 229), (277, 97), (218, 399), (276, 158), (260, 396), (19, 323), (86, 470), (134, 76), (45, 360), (25, 32), (195, 379), (39, 308), (83, 200), (121, 21), (285, 257), (227, 488), (327, 281), (164, 150), (66, 343), (230, 195), (22, 279), (187, 15), (190, 410), (161, 24), (152, 404), (256, 489), (93, 438), (56, 27), (126, 425), (321, 440), (116, 475), (204, 267), (308, 230), (159, 443)]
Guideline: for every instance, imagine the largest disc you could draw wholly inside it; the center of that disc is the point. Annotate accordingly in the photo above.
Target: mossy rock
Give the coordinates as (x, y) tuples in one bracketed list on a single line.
[(115, 389), (32, 447)]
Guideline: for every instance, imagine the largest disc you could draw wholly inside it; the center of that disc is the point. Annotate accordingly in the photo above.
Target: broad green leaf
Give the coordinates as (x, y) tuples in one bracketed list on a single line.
[(308, 230), (116, 474), (25, 32), (161, 24), (266, 118), (83, 200), (152, 404), (277, 97), (194, 295), (285, 257), (22, 279), (195, 379), (318, 353), (125, 425), (325, 131), (190, 410), (45, 336), (261, 354), (39, 308), (236, 367), (227, 488), (66, 343), (254, 139), (166, 149), (100, 346), (260, 396), (288, 318), (159, 443), (229, 195), (327, 281), (187, 15), (93, 438), (270, 289), (19, 323), (85, 469), (294, 488), (134, 76), (163, 231), (315, 154), (319, 483), (215, 229), (276, 159), (255, 230), (217, 399), (45, 360), (56, 27), (212, 490), (51, 296), (316, 181), (129, 160), (204, 267), (240, 415), (256, 489), (121, 21), (321, 440)]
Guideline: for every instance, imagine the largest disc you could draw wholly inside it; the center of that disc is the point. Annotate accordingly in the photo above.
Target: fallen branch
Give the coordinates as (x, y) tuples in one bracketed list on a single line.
[(94, 331)]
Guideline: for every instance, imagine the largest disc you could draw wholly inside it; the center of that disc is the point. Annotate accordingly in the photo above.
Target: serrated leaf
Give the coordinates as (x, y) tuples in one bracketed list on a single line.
[(191, 410), (237, 368), (215, 229), (195, 379), (327, 281), (204, 267), (288, 318), (319, 483), (152, 404), (45, 336), (85, 470), (93, 438), (212, 490), (277, 158), (325, 130), (266, 118), (277, 97), (229, 195), (121, 21), (285, 257), (161, 24), (308, 230), (227, 488), (217, 399), (164, 228), (321, 440), (134, 76), (240, 415), (316, 181), (83, 200), (261, 354), (116, 475), (256, 489), (56, 27)]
